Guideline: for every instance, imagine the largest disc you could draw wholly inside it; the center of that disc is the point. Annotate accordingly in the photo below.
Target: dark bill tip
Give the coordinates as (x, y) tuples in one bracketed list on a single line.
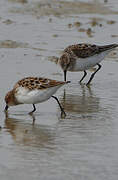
[(6, 108), (68, 81)]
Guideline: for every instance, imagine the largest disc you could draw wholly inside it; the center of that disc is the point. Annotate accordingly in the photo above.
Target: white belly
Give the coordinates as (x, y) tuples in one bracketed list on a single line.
[(35, 96), (86, 63)]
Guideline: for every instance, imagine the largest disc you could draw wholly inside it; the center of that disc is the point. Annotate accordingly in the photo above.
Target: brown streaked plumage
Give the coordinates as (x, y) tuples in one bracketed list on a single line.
[(10, 98), (80, 57), (33, 90), (87, 50), (37, 83)]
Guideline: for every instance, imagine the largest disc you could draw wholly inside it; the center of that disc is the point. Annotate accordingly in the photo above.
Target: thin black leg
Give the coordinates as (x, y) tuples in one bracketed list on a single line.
[(65, 75), (92, 76), (62, 110), (34, 109), (85, 73)]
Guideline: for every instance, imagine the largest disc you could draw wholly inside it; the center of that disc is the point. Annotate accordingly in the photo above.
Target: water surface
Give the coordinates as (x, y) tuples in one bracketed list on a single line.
[(84, 144)]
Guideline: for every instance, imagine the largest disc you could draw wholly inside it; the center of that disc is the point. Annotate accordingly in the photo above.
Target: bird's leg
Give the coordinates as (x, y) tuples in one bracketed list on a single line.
[(92, 76), (34, 109), (85, 73), (62, 110), (65, 75)]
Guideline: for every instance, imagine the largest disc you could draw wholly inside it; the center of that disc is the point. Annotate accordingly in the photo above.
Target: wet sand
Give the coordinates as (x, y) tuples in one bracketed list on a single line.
[(84, 144)]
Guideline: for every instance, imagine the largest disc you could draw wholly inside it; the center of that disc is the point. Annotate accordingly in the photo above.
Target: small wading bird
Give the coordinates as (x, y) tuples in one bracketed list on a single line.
[(81, 57), (33, 90)]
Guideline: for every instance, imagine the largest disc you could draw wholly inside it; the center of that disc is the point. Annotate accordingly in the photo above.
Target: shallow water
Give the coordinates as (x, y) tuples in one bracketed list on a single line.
[(84, 144)]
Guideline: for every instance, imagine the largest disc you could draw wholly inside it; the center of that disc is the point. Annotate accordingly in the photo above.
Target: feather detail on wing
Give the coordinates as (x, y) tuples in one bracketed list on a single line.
[(87, 50), (32, 83)]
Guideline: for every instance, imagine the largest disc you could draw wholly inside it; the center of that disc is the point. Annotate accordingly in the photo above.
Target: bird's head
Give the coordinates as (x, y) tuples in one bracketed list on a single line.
[(10, 99)]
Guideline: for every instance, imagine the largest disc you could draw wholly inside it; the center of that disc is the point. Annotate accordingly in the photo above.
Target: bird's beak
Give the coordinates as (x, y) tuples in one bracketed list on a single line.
[(65, 75), (6, 108)]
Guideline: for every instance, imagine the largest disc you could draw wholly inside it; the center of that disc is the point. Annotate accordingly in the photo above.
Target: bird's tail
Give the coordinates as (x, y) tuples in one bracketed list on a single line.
[(107, 47)]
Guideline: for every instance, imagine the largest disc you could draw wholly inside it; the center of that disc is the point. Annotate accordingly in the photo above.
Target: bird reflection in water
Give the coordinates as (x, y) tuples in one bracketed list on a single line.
[(82, 103), (28, 134)]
